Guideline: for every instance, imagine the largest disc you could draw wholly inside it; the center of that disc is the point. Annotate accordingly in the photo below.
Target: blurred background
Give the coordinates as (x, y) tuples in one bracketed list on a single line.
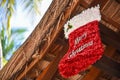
[(18, 19)]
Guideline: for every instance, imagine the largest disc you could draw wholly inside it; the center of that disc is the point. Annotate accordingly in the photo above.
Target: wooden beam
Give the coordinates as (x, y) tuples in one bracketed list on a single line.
[(93, 74), (57, 76), (110, 37), (49, 72), (108, 65), (46, 31), (102, 6), (84, 3), (118, 1), (109, 51), (111, 21), (49, 57), (53, 52), (102, 3), (94, 3), (32, 74)]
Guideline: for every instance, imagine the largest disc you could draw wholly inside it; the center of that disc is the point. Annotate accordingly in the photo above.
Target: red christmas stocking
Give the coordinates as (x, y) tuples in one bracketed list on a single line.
[(84, 41)]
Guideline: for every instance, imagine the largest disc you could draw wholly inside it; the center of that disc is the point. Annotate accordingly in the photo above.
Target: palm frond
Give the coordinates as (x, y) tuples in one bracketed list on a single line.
[(32, 5), (2, 2), (6, 33)]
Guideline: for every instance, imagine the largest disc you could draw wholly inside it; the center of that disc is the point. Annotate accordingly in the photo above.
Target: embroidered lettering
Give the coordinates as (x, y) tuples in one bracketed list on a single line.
[(78, 39), (73, 53)]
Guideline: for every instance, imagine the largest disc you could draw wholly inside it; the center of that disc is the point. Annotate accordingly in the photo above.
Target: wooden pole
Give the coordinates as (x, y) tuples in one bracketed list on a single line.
[(46, 31)]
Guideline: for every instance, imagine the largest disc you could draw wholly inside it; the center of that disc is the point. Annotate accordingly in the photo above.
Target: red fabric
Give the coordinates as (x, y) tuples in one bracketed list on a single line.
[(68, 65)]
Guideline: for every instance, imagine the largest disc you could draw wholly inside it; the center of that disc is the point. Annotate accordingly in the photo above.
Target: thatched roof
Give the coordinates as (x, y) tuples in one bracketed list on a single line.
[(38, 57)]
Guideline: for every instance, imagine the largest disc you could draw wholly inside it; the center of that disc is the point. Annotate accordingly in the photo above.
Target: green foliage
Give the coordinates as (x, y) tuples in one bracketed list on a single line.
[(6, 32), (4, 61), (32, 5), (18, 31), (9, 44)]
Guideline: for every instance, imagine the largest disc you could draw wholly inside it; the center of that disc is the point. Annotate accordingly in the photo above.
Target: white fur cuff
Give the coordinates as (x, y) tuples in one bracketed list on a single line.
[(81, 19)]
